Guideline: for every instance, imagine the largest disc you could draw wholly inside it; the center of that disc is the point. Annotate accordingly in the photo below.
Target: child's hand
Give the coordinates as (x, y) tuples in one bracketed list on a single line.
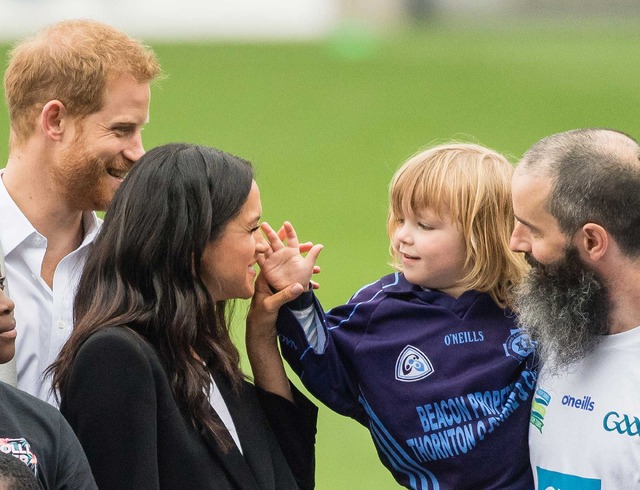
[(284, 265)]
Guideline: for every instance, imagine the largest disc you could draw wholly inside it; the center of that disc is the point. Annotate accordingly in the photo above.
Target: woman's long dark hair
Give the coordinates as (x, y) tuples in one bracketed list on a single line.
[(143, 271)]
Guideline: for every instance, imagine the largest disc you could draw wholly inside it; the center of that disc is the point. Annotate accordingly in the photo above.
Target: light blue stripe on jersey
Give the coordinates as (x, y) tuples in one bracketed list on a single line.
[(314, 324), (419, 477), (355, 307)]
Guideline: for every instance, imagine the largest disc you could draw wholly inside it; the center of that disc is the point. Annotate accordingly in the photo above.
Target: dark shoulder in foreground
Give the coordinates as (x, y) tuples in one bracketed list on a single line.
[(38, 433)]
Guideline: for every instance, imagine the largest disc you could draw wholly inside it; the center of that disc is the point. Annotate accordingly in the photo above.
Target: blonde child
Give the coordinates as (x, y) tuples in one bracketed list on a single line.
[(428, 358)]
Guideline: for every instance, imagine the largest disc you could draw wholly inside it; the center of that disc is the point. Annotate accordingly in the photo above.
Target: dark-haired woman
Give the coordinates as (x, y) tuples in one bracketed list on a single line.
[(150, 379)]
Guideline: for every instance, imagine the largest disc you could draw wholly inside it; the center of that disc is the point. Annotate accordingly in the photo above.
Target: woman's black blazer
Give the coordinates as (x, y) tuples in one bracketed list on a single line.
[(120, 405)]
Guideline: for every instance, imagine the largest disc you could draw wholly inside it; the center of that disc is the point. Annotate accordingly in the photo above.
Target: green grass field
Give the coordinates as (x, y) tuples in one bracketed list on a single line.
[(327, 123)]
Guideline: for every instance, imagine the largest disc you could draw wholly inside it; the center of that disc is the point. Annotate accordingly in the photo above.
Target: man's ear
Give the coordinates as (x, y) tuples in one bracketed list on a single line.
[(594, 241), (52, 120)]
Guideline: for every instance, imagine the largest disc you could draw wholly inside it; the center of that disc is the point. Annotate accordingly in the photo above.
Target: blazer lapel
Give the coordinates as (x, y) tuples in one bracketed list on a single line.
[(249, 422), (232, 461)]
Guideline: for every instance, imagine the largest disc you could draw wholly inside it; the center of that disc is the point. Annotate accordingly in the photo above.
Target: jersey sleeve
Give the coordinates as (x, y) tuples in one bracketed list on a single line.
[(110, 402), (320, 347)]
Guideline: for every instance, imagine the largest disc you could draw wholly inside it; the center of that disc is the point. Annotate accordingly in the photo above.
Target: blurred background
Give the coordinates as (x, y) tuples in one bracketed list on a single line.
[(328, 97)]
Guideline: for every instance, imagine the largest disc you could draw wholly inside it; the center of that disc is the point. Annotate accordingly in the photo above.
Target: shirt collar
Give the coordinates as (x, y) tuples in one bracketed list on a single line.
[(397, 285), (91, 224), (15, 228)]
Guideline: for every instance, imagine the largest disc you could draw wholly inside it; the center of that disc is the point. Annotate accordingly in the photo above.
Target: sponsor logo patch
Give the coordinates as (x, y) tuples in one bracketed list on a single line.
[(621, 423), (552, 480), (412, 365), (539, 406)]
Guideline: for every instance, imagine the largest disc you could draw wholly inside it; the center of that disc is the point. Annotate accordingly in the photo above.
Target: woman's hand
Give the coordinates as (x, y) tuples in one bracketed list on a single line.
[(261, 337)]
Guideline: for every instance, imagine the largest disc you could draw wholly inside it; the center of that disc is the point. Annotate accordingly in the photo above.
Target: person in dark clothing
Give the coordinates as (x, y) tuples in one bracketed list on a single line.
[(15, 475), (430, 358), (150, 379), (33, 431)]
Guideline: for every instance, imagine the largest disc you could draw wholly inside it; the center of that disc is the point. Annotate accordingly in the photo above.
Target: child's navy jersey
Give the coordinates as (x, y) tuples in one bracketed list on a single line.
[(444, 385)]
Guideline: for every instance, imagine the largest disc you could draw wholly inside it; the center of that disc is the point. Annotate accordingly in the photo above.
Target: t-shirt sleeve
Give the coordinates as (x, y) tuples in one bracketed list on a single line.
[(73, 472)]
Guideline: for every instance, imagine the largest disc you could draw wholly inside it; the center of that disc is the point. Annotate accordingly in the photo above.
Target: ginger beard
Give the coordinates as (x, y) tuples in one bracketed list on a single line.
[(87, 179), (563, 307)]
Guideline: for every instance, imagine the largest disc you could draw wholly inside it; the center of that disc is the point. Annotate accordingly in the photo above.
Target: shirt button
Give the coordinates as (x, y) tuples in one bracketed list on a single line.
[(38, 240), (62, 324)]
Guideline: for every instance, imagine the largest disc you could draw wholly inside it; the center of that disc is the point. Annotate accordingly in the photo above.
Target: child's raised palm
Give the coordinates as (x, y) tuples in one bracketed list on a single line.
[(283, 264)]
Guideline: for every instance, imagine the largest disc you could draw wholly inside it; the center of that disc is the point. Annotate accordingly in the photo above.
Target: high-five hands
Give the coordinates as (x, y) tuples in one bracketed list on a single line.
[(283, 264), (285, 274)]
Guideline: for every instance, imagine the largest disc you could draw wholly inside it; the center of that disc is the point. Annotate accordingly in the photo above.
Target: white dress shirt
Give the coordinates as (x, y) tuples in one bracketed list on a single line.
[(44, 316), (8, 369)]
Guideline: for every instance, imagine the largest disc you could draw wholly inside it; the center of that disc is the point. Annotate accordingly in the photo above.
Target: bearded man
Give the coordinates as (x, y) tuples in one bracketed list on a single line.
[(78, 95), (576, 197)]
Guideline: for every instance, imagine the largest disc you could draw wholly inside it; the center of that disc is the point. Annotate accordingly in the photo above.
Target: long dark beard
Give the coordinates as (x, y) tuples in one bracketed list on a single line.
[(564, 308)]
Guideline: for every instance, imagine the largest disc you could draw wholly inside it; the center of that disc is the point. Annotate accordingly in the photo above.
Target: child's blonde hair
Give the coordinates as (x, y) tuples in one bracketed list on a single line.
[(473, 185)]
